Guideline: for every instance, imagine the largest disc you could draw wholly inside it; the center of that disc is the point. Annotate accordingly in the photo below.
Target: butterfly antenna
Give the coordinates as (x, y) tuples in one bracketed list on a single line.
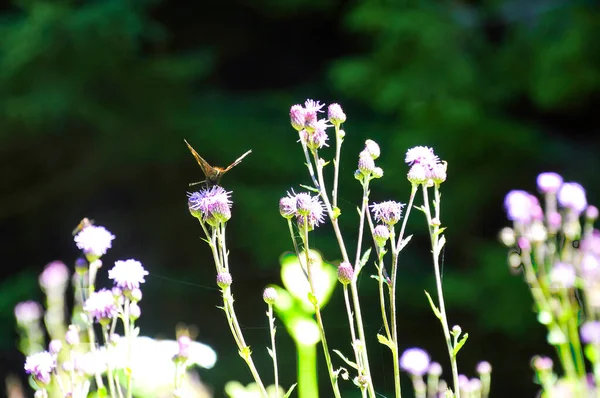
[(196, 183)]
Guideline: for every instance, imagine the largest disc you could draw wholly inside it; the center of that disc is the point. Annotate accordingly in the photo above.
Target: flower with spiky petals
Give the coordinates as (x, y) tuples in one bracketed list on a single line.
[(572, 196), (381, 234), (94, 240), (315, 137), (211, 204), (303, 203), (366, 164), (310, 211), (311, 110), (388, 212), (297, 117), (422, 155), (128, 274), (335, 114), (415, 361), (101, 305), (40, 366)]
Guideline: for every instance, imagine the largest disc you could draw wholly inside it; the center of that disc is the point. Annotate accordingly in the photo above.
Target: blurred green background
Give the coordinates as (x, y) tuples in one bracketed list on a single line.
[(97, 96)]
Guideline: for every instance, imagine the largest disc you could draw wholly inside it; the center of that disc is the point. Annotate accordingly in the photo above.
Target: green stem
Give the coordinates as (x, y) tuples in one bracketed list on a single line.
[(90, 322), (273, 349), (336, 163), (308, 386), (128, 337), (332, 376), (111, 378), (434, 236)]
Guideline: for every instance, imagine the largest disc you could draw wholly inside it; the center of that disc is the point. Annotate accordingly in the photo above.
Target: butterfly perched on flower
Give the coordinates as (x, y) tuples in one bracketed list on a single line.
[(213, 174), (86, 222)]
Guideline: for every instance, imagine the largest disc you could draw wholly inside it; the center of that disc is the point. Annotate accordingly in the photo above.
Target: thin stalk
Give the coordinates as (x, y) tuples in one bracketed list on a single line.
[(273, 349), (336, 163), (90, 323), (127, 326), (353, 284), (351, 324), (438, 282), (332, 376), (111, 379)]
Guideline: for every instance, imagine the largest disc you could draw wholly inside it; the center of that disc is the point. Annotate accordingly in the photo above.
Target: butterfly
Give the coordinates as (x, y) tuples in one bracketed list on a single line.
[(213, 174), (86, 222)]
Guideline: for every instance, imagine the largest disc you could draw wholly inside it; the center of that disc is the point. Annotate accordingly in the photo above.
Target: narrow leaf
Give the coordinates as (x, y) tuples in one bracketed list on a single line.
[(270, 352), (460, 344), (405, 242), (289, 392), (313, 189), (385, 341), (433, 307), (348, 362), (336, 212)]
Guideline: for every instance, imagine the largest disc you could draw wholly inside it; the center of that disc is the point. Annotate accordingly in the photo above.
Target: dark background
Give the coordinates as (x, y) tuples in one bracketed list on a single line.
[(96, 97)]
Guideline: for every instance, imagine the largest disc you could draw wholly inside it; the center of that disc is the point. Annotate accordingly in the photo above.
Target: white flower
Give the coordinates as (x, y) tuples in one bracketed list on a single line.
[(94, 240), (128, 274)]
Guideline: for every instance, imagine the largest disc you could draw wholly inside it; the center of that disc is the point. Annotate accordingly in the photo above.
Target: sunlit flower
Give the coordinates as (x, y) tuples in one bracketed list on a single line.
[(224, 279), (287, 207), (366, 164), (27, 312), (381, 233), (54, 277), (297, 117), (128, 274), (211, 205), (270, 295), (388, 212), (563, 275), (415, 361), (572, 196), (435, 369), (590, 332), (345, 273), (549, 182), (519, 206), (335, 114), (40, 366), (484, 367), (372, 148), (421, 155), (94, 240), (101, 305)]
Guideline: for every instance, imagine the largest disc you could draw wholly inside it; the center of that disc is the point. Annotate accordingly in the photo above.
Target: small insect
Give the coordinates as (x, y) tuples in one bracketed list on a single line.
[(86, 222), (213, 174)]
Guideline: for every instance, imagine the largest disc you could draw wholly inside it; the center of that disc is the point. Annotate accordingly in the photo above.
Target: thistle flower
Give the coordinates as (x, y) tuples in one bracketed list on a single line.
[(134, 311), (590, 332), (304, 203), (309, 207), (128, 274), (101, 305), (40, 367), (335, 114), (297, 117), (270, 295), (372, 148), (54, 277), (54, 347), (418, 174), (316, 138), (519, 206), (421, 155), (72, 335), (381, 234), (572, 196), (388, 212), (28, 312), (311, 110), (438, 173), (345, 273), (366, 164), (549, 182), (94, 240), (224, 280), (212, 205), (591, 213), (287, 207), (414, 361), (435, 369), (542, 363), (484, 367)]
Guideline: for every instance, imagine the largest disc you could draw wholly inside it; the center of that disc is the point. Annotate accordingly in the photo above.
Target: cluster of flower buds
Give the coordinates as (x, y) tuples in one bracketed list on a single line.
[(559, 253), (312, 130), (366, 162), (425, 167), (210, 205), (305, 209)]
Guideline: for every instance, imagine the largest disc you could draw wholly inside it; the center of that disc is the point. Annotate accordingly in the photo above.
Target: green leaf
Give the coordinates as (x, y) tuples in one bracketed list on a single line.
[(348, 362), (441, 243), (102, 392), (289, 392), (245, 353), (365, 257), (420, 208), (433, 307), (404, 242), (313, 189), (313, 299), (460, 344), (440, 230), (385, 341), (270, 352), (336, 212)]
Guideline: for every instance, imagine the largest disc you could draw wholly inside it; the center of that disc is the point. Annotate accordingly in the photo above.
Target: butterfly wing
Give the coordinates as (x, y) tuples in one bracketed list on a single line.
[(238, 161), (207, 169)]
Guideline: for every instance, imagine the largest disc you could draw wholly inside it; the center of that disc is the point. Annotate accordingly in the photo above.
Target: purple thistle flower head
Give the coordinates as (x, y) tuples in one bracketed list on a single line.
[(484, 367), (415, 361), (54, 277), (435, 369), (54, 347), (520, 206), (270, 295), (287, 207), (128, 274), (315, 137), (94, 240), (563, 275), (549, 182), (388, 212), (421, 155), (303, 203), (101, 305), (591, 213), (438, 173), (572, 196), (72, 335), (297, 117), (590, 332), (311, 111), (418, 174), (335, 114), (40, 367), (211, 204), (366, 164), (345, 273), (372, 148), (224, 280), (28, 312), (381, 233)]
